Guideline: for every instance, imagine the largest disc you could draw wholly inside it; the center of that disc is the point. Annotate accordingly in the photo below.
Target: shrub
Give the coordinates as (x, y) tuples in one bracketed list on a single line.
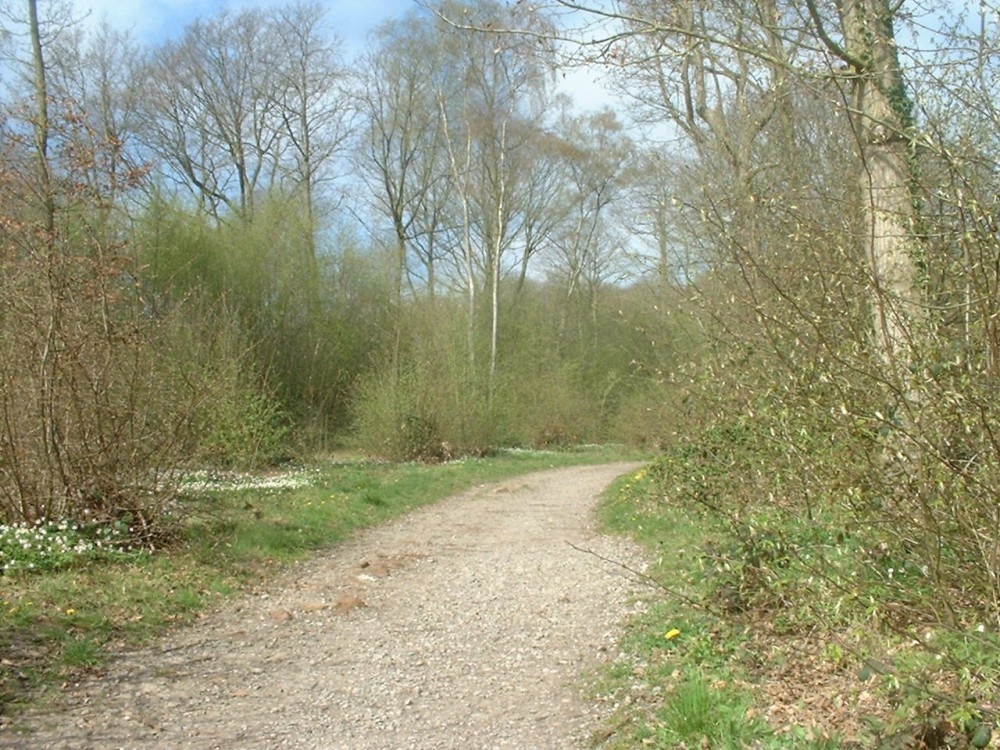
[(85, 428), (428, 413)]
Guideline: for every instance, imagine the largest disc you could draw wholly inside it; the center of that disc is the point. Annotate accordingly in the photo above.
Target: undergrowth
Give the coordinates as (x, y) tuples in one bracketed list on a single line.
[(683, 681), (41, 547), (783, 624)]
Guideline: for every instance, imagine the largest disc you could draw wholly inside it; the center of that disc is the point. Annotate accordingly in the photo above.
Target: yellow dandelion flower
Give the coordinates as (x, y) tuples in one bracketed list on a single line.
[(671, 634)]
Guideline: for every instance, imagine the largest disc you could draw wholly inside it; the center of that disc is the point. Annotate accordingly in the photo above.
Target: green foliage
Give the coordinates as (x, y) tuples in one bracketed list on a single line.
[(828, 550), (81, 652), (207, 367), (236, 423), (428, 412), (428, 397), (696, 709), (177, 248), (687, 667), (244, 430), (552, 409), (309, 351), (281, 331)]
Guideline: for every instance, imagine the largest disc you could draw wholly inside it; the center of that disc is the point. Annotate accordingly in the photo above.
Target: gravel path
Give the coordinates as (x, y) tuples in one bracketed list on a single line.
[(469, 624)]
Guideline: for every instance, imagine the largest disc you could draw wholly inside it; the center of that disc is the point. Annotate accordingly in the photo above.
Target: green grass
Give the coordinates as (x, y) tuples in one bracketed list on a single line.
[(57, 622), (697, 709), (81, 651), (682, 681)]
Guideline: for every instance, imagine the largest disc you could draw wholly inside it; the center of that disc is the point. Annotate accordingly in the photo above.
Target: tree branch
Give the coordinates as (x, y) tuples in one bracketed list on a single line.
[(825, 37)]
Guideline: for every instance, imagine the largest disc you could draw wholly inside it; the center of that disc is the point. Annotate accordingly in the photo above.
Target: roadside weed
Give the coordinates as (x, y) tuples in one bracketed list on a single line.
[(697, 709), (81, 652)]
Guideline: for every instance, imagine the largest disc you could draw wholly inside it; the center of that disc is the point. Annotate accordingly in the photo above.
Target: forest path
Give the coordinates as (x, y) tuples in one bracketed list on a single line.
[(471, 623)]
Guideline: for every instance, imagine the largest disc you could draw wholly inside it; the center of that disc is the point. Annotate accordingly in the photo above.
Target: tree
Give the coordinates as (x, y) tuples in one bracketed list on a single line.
[(882, 114), (211, 109), (93, 80), (846, 224), (403, 142), (41, 118), (595, 158), (312, 104), (500, 108), (86, 426), (454, 186), (721, 75), (402, 151)]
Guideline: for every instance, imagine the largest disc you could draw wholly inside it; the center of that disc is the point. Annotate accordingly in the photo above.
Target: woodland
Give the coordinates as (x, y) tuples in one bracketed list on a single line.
[(774, 262)]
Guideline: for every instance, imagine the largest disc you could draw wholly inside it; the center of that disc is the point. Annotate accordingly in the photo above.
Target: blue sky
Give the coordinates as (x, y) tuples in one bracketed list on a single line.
[(153, 20)]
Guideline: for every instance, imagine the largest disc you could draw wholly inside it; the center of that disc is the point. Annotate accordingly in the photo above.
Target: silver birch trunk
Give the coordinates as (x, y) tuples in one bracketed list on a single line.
[(467, 254), (496, 250)]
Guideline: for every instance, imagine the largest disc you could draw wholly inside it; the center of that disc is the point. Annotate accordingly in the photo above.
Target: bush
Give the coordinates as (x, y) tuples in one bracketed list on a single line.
[(428, 413), (86, 430), (300, 326), (230, 418), (825, 535)]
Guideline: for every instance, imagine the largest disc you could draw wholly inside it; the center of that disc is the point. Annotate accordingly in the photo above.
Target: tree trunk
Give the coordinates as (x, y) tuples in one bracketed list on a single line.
[(882, 114), (41, 121), (896, 306), (496, 251), (460, 175)]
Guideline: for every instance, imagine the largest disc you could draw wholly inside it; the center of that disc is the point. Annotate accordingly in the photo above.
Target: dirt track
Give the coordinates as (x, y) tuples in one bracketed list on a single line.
[(470, 624)]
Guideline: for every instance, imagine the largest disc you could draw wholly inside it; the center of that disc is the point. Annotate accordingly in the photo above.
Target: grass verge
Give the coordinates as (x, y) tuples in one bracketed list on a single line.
[(777, 633), (684, 679), (59, 622)]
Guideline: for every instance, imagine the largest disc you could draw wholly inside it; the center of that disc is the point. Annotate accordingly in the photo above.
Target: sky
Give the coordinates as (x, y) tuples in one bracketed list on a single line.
[(155, 20)]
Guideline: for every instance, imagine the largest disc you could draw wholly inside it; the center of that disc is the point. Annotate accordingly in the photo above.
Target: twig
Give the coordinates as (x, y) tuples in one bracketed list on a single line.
[(643, 577)]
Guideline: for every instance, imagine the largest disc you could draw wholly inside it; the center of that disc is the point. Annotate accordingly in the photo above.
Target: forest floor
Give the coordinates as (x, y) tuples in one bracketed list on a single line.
[(475, 622)]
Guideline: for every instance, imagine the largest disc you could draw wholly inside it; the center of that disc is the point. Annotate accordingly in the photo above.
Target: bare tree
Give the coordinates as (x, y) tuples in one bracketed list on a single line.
[(41, 119), (83, 432), (402, 149), (93, 79), (312, 104), (595, 156), (212, 109), (455, 186), (503, 99), (403, 140), (720, 74)]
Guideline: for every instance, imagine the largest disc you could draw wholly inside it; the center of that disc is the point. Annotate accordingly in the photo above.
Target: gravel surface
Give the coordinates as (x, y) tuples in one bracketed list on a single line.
[(472, 623)]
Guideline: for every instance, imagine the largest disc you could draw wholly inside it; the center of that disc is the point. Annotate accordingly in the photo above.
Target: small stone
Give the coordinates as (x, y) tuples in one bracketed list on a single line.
[(346, 603), (281, 615)]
